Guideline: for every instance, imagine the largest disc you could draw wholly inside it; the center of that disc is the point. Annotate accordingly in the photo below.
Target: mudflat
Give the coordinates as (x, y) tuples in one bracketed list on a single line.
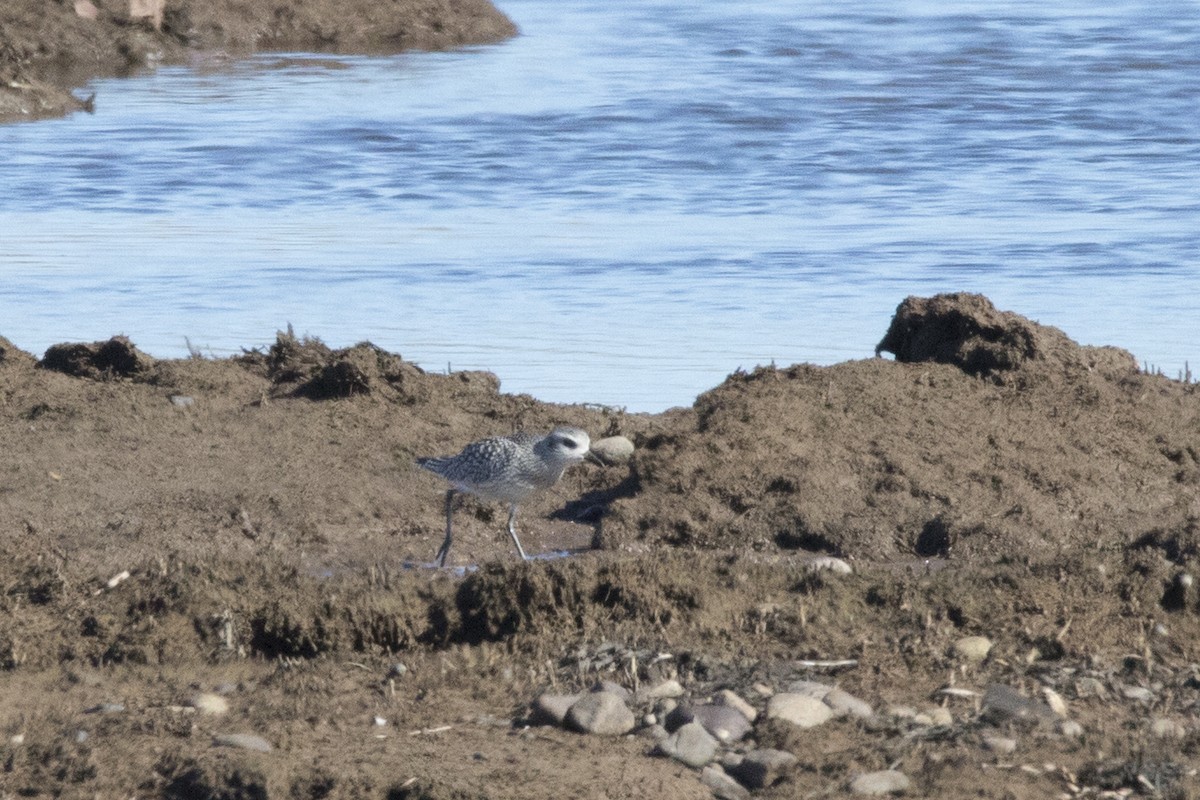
[(217, 583), (48, 48)]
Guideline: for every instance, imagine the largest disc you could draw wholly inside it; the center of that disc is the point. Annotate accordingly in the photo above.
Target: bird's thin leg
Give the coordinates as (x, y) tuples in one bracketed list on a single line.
[(512, 531), (445, 551)]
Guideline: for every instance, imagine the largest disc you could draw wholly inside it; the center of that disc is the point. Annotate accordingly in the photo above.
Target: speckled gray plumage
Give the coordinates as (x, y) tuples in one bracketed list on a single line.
[(507, 468)]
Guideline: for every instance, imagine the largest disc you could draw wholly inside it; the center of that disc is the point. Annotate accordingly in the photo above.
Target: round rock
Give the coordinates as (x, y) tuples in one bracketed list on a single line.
[(601, 713), (885, 781), (551, 709), (973, 648), (724, 722), (691, 745), (843, 703), (613, 449), (799, 709), (209, 703)]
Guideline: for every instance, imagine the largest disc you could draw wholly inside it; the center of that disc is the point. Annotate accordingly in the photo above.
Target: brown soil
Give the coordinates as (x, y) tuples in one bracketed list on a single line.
[(999, 480), (49, 47)]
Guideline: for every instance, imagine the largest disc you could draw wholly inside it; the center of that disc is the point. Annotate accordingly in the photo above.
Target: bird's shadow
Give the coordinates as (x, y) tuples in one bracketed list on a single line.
[(591, 507)]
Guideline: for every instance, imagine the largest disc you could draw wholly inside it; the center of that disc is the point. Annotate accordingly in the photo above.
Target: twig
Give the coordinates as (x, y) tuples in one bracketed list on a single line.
[(428, 731), (843, 664)]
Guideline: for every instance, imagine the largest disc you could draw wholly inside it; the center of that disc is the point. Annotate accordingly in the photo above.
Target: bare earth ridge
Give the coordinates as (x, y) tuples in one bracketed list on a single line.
[(216, 575), (49, 47)]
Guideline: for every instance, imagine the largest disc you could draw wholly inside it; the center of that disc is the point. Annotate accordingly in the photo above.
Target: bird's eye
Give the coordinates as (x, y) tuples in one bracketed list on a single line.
[(570, 443)]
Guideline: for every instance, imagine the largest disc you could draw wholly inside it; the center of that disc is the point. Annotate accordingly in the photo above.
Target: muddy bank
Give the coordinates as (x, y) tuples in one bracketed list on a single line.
[(255, 529), (47, 49)]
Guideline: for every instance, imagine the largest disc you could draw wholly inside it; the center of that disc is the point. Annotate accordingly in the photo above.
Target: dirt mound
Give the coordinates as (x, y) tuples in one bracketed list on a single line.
[(46, 48), (255, 529), (967, 331), (116, 358), (11, 355), (891, 460)]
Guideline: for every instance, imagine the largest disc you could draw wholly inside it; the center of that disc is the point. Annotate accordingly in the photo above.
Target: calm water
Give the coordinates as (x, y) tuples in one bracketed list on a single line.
[(632, 199)]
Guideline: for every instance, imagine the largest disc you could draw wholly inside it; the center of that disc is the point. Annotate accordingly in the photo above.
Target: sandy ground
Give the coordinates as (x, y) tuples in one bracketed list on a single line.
[(48, 48), (255, 530)]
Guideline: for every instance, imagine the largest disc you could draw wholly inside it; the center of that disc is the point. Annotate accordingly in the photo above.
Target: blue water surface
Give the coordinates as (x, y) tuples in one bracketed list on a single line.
[(631, 199)]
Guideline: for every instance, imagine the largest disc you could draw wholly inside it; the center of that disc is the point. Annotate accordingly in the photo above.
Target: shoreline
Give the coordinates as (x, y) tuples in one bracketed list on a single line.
[(50, 50)]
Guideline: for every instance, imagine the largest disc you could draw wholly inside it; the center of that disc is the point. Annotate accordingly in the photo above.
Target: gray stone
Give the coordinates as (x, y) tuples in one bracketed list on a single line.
[(837, 566), (209, 703), (551, 709), (725, 697), (244, 741), (845, 703), (762, 768), (885, 781), (799, 709), (1003, 745), (601, 713), (722, 786), (973, 648), (1002, 704), (691, 745), (724, 722), (662, 690), (613, 449)]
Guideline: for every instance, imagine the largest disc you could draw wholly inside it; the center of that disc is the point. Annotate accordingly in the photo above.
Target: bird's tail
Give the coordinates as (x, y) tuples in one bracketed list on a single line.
[(435, 464)]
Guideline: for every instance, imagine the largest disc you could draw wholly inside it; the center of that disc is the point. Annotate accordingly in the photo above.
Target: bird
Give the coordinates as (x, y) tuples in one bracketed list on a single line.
[(507, 468)]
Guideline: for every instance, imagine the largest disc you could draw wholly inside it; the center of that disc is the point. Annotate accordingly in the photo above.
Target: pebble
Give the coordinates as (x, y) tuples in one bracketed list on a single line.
[(843, 703), (1139, 693), (659, 691), (973, 648), (837, 566), (1164, 728), (245, 741), (724, 722), (1000, 744), (762, 768), (397, 670), (886, 781), (1070, 728), (799, 709), (551, 709), (182, 400), (691, 745), (938, 716), (601, 713), (208, 703), (1056, 702), (613, 449), (723, 787), (1000, 703), (726, 697)]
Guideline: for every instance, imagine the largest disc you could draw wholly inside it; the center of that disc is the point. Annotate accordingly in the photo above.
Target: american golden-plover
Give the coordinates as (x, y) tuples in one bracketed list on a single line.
[(507, 468)]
